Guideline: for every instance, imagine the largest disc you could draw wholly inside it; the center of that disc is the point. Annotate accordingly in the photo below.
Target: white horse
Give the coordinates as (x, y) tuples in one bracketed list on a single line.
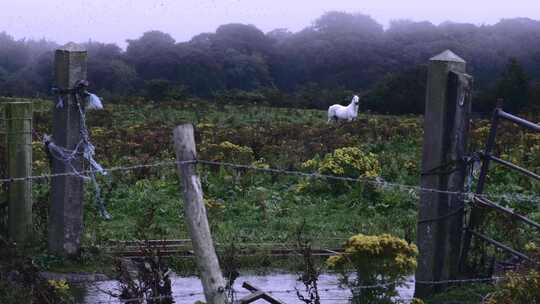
[(338, 112)]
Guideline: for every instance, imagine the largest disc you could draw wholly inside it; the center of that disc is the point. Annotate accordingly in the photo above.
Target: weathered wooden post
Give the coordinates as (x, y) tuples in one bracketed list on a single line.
[(195, 212), (19, 158), (66, 212), (440, 215)]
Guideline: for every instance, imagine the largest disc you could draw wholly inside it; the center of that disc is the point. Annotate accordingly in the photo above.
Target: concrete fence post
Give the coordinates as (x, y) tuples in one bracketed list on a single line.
[(446, 128), (66, 211)]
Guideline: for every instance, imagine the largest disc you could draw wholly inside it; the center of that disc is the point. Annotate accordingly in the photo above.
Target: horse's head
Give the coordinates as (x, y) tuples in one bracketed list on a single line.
[(356, 100)]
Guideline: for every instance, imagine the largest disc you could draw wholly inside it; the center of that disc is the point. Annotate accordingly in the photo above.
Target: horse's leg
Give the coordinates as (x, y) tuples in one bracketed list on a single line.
[(329, 115)]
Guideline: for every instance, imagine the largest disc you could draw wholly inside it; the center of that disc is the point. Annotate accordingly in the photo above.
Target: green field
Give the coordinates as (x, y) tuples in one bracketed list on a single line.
[(246, 206), (260, 207)]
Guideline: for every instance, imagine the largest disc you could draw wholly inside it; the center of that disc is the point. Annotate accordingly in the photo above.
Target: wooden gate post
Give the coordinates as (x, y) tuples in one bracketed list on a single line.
[(66, 211), (440, 215), (19, 159), (195, 213)]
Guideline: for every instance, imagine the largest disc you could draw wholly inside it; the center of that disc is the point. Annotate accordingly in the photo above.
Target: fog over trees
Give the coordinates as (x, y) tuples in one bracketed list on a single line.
[(340, 54)]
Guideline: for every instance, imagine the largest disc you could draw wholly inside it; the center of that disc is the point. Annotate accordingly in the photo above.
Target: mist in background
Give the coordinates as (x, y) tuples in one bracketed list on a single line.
[(294, 55), (118, 20)]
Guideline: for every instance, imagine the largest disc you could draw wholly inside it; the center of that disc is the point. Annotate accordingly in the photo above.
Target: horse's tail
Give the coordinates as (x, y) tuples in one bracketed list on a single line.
[(331, 114)]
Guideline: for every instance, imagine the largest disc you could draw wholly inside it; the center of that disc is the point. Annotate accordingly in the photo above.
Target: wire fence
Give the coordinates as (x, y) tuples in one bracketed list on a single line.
[(386, 185)]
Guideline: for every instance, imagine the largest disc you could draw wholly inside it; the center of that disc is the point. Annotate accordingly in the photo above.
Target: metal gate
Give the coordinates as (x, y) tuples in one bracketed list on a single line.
[(481, 203)]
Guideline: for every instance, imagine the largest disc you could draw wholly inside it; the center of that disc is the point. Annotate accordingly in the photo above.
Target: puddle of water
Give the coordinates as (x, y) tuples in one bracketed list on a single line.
[(189, 289)]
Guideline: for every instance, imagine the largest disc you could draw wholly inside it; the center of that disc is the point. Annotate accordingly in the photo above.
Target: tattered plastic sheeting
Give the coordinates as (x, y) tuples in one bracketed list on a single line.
[(89, 152), (83, 148), (60, 102), (94, 102)]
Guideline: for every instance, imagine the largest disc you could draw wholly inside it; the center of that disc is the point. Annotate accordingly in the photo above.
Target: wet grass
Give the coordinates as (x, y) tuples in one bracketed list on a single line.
[(248, 207)]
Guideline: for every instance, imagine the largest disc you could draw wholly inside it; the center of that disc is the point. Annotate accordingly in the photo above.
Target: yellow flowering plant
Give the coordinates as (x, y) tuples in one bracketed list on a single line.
[(350, 162), (517, 288), (60, 290), (228, 152), (381, 262), (522, 285)]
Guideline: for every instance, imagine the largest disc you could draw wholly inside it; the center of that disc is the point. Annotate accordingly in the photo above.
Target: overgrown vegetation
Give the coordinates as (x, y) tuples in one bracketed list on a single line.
[(310, 273), (521, 285), (250, 207), (380, 262), (148, 279), (20, 281)]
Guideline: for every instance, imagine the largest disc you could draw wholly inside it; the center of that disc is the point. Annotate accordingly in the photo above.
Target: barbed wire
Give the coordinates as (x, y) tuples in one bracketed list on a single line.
[(376, 182), (112, 169), (410, 189), (473, 280)]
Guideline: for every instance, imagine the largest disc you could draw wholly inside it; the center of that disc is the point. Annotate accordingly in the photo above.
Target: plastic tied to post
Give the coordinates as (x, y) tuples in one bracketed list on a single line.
[(59, 99), (94, 102), (84, 148), (60, 102)]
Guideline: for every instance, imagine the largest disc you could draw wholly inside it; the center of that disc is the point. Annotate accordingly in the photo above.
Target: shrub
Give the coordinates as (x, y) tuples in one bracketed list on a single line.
[(381, 261), (517, 288), (228, 152), (345, 162), (522, 285), (160, 90), (21, 282)]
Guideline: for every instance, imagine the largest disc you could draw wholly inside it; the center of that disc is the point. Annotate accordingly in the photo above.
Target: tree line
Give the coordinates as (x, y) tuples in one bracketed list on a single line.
[(338, 55)]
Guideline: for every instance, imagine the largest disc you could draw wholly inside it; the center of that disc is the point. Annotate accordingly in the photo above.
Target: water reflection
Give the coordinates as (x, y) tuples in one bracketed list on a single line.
[(189, 289)]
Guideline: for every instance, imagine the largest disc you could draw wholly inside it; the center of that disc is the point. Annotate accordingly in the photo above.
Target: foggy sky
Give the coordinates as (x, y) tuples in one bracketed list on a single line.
[(118, 20)]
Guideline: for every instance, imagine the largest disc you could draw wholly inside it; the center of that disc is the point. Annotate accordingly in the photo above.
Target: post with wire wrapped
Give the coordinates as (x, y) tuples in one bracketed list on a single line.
[(444, 167), (195, 214), (66, 211)]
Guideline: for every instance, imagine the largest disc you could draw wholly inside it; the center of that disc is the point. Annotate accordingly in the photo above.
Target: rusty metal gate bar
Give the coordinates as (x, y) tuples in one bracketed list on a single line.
[(476, 214)]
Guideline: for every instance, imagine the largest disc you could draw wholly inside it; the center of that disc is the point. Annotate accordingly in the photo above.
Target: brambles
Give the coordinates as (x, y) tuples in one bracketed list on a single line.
[(381, 262), (230, 263), (310, 271)]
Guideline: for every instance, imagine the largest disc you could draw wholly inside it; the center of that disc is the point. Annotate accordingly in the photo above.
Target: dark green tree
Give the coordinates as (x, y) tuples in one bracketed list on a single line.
[(513, 87), (153, 55), (399, 93)]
